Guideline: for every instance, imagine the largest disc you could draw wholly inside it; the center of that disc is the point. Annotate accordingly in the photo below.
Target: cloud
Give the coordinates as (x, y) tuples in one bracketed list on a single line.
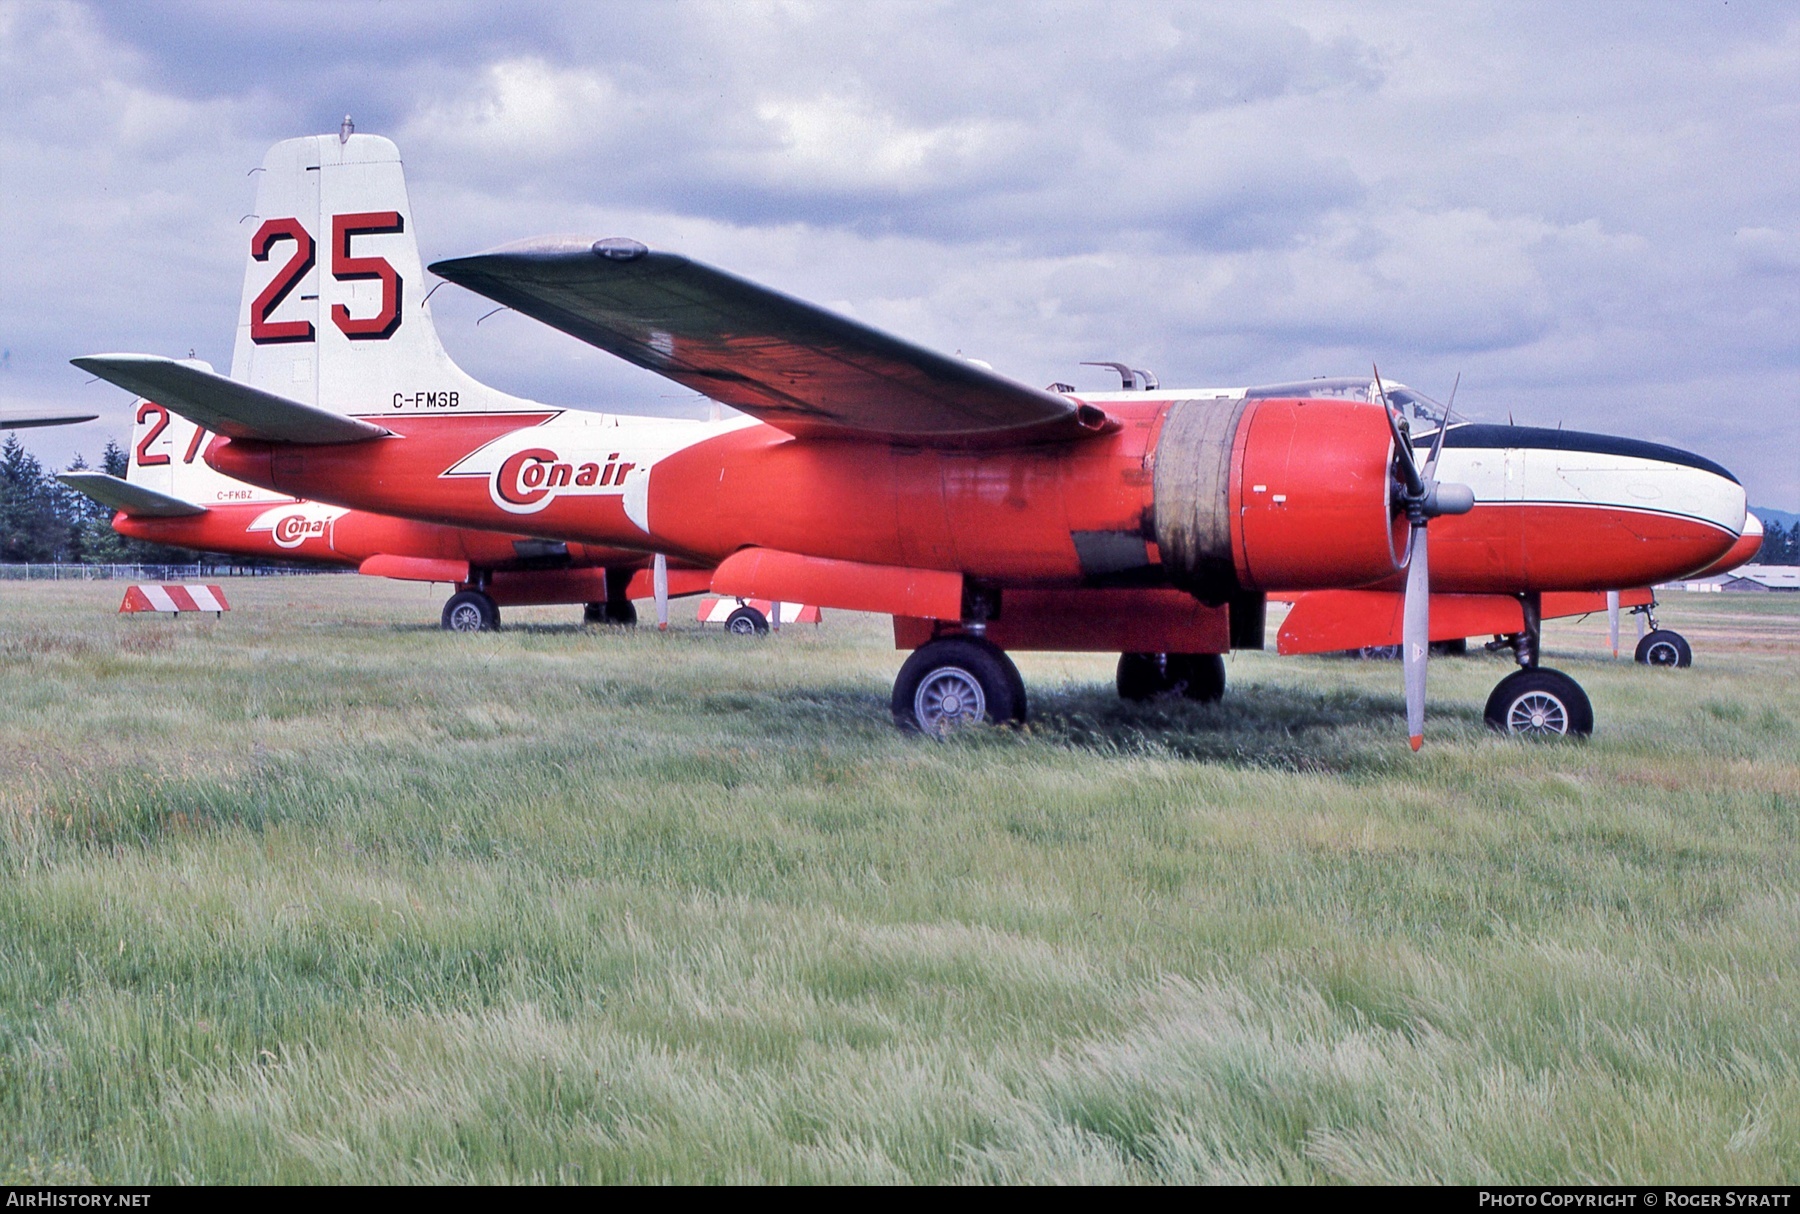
[(1591, 212)]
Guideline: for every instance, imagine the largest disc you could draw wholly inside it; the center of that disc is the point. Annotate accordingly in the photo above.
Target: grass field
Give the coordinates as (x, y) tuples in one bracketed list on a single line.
[(318, 893)]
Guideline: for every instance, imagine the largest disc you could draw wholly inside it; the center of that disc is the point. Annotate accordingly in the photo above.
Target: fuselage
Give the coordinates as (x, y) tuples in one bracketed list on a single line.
[(334, 535), (1556, 510)]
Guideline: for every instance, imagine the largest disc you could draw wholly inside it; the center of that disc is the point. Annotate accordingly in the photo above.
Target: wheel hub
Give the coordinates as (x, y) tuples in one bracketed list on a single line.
[(1538, 713), (949, 698)]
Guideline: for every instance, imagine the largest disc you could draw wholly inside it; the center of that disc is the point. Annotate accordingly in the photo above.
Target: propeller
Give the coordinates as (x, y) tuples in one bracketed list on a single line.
[(1423, 497), (1612, 620), (659, 589)]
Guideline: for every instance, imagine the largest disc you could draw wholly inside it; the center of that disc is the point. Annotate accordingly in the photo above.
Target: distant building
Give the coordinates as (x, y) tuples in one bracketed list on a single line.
[(1751, 579), (1763, 578)]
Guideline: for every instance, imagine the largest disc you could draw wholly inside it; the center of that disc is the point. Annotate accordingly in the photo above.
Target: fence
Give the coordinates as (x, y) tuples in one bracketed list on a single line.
[(147, 573)]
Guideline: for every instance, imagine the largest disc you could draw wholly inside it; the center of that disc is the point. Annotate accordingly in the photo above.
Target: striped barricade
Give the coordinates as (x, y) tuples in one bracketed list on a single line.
[(717, 611), (174, 599)]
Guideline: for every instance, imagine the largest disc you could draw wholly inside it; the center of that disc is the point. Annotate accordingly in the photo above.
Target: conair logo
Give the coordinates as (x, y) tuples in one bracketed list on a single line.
[(526, 481), (292, 525), (527, 469)]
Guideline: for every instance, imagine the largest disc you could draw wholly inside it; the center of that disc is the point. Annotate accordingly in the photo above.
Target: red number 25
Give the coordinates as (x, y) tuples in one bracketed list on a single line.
[(344, 268)]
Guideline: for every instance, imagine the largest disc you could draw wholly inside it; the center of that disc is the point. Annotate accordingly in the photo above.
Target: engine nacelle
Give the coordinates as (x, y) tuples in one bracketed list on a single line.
[(1275, 494)]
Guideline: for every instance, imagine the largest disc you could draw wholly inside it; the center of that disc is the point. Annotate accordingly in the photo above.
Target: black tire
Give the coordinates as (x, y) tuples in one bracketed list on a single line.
[(470, 611), (1141, 677), (593, 613), (1197, 676), (1665, 648), (747, 621), (1194, 676), (620, 615), (1540, 703), (1447, 649), (955, 683)]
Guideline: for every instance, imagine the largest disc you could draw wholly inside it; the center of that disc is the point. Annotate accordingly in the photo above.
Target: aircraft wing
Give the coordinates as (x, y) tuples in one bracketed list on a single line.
[(224, 405), (25, 421), (782, 360), (123, 495)]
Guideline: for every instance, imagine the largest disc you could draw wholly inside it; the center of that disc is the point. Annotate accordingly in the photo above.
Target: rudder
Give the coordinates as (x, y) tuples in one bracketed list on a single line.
[(333, 311)]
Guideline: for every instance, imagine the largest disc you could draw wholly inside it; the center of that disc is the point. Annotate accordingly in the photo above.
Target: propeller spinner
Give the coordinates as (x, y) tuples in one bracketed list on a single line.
[(1423, 497)]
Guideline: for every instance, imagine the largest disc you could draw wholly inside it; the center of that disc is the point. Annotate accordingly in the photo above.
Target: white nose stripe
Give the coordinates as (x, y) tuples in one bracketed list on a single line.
[(1587, 478)]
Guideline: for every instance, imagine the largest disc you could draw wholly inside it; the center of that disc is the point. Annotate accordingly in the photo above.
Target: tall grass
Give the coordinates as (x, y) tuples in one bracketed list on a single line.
[(318, 893)]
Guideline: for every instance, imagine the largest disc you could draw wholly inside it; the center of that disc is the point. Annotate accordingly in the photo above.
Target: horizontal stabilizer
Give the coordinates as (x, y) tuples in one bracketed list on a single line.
[(26, 421), (223, 405), (782, 360), (134, 500)]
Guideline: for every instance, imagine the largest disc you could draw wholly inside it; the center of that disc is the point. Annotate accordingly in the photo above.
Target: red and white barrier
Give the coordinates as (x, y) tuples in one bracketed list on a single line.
[(717, 611), (174, 599)]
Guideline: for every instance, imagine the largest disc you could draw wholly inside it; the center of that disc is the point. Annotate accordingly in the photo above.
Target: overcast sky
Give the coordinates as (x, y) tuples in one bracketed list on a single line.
[(1591, 211)]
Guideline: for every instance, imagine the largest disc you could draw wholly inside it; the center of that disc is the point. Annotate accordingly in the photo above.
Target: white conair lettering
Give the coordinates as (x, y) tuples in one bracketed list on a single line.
[(291, 525), (526, 481)]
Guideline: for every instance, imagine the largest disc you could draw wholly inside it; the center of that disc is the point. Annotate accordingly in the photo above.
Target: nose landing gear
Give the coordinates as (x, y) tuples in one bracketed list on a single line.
[(1535, 701), (1665, 648), (1659, 646)]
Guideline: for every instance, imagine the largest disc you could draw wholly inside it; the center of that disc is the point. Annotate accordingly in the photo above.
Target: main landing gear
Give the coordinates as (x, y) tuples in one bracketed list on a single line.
[(747, 621), (955, 682), (618, 609), (471, 611), (623, 615), (1194, 676), (1535, 701), (959, 681)]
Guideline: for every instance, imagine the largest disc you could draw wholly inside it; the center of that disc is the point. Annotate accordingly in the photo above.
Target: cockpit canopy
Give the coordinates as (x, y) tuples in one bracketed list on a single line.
[(1425, 413)]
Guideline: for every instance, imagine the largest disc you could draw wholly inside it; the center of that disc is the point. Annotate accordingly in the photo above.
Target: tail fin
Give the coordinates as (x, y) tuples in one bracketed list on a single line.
[(333, 312), (165, 458)]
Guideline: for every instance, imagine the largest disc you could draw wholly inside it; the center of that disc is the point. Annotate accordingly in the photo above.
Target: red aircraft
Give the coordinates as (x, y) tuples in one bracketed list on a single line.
[(870, 473), (170, 496)]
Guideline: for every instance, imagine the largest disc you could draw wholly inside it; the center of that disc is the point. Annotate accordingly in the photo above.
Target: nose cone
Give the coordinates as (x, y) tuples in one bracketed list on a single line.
[(1740, 553), (1593, 511)]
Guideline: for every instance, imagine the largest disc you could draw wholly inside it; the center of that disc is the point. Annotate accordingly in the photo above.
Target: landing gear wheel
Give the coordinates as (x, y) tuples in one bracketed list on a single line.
[(1195, 676), (1665, 648), (624, 614), (593, 613), (747, 622), (1141, 676), (955, 683), (471, 611), (1540, 703)]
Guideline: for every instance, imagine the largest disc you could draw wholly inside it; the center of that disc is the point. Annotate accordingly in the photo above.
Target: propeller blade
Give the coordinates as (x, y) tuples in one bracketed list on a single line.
[(1409, 467), (1437, 443), (659, 587), (1416, 634), (1612, 619)]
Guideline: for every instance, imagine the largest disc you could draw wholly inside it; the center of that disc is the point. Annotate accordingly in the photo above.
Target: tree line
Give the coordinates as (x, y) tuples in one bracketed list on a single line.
[(44, 521), (1780, 546)]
